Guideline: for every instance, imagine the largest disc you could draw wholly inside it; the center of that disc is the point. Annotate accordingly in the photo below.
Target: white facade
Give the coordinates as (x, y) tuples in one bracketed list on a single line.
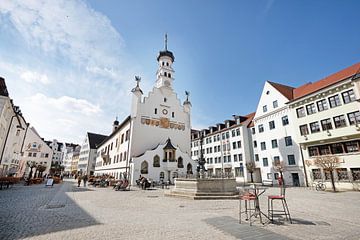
[(36, 150), (58, 151), (12, 131), (274, 137), (226, 148), (154, 119), (326, 122), (87, 156)]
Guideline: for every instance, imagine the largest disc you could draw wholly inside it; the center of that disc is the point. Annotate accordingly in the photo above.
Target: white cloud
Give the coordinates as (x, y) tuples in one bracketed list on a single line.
[(69, 28), (65, 104), (33, 77), (63, 117), (74, 59)]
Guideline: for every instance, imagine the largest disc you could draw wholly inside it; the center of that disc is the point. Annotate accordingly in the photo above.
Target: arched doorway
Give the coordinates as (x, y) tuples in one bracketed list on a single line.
[(189, 169)]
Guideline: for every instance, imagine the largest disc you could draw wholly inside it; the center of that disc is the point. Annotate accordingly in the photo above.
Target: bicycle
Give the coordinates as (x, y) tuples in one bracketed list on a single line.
[(319, 186)]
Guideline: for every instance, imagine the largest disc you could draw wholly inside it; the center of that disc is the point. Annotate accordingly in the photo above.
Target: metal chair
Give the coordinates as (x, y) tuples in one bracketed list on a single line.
[(284, 212), (247, 197)]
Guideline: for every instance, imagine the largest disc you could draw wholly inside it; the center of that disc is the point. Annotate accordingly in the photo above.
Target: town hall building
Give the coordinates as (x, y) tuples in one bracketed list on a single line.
[(154, 140)]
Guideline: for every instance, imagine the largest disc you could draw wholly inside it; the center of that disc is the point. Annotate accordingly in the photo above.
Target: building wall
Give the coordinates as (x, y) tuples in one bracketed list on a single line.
[(149, 128), (83, 163), (115, 152), (35, 149), (313, 140), (273, 107)]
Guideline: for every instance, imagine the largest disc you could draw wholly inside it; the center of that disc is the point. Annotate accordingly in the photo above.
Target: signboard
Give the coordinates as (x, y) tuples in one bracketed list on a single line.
[(49, 182)]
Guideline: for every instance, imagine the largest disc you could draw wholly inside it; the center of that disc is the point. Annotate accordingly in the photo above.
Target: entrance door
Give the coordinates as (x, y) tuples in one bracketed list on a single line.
[(295, 179)]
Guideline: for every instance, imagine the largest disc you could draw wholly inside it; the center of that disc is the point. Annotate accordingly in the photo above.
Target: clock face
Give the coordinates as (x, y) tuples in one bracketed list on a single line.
[(167, 83), (164, 111)]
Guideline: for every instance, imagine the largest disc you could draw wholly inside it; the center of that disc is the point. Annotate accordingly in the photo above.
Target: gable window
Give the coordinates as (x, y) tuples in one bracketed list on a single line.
[(265, 162), (275, 104), (165, 99), (233, 133), (271, 125), (274, 143), (310, 109), (253, 131), (288, 141), (334, 101), (314, 127), (304, 130), (322, 105), (264, 108), (276, 160), (261, 128), (354, 118), (300, 112), (348, 96), (340, 121), (180, 162), (144, 167), (291, 159), (285, 120), (263, 146), (156, 161), (326, 124)]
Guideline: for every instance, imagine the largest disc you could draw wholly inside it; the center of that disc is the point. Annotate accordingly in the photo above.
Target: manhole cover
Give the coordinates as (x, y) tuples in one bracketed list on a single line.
[(53, 206)]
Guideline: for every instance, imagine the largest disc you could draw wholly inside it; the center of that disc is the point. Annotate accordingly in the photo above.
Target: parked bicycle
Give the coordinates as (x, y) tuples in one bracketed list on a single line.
[(319, 186)]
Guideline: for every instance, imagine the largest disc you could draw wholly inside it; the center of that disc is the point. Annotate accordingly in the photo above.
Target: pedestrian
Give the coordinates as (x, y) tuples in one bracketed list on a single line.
[(79, 180), (85, 178)]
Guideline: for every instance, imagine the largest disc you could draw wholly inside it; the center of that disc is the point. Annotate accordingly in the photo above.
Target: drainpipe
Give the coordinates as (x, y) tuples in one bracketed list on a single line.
[(305, 174)]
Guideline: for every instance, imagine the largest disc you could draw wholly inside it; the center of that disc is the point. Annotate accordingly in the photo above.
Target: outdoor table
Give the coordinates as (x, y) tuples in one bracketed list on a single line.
[(257, 191)]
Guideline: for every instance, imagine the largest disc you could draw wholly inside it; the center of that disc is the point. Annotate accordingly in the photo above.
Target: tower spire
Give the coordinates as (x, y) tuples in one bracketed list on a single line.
[(165, 41)]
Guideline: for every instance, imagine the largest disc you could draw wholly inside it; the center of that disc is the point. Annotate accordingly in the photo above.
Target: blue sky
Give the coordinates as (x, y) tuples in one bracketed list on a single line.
[(70, 64)]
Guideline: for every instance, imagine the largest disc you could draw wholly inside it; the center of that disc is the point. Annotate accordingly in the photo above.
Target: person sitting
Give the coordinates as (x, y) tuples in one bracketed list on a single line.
[(145, 184), (117, 185)]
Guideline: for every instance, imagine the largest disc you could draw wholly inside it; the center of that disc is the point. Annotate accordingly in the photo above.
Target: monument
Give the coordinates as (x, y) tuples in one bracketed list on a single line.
[(202, 187)]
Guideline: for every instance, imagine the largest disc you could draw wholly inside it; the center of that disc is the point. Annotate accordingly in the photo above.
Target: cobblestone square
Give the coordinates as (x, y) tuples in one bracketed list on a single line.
[(67, 212)]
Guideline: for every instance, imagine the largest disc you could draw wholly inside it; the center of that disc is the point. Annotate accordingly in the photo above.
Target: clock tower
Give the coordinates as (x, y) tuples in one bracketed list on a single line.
[(165, 72)]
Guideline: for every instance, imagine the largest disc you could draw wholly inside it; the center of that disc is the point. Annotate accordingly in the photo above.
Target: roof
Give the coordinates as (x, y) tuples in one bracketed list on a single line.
[(114, 132), (325, 82), (169, 145), (3, 89), (166, 53), (95, 139), (287, 91), (249, 120)]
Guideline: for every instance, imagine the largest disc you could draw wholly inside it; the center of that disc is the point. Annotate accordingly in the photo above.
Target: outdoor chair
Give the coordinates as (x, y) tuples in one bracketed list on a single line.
[(248, 198), (284, 212)]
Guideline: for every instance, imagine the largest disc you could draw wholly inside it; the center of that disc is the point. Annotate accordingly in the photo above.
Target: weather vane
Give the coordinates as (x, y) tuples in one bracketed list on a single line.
[(187, 93), (137, 79)]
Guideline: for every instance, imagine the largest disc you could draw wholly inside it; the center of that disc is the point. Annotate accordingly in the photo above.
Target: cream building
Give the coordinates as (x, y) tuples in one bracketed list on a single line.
[(226, 148), (36, 150), (13, 128), (326, 119), (154, 141)]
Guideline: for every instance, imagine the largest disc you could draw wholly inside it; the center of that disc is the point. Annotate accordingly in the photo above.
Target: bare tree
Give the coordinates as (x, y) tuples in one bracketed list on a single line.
[(41, 169), (279, 166), (250, 166), (328, 163)]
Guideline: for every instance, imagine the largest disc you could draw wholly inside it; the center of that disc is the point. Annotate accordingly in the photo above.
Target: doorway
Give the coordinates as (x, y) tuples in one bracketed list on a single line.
[(295, 179)]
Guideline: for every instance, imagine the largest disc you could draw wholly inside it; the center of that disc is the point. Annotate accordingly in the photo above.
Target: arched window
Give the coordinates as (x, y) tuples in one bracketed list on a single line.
[(162, 175), (189, 169), (163, 63), (167, 64), (144, 167), (156, 161), (180, 162), (155, 110)]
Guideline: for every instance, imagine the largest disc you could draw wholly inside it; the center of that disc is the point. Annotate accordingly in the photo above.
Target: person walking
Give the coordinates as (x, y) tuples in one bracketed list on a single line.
[(79, 180), (85, 178)]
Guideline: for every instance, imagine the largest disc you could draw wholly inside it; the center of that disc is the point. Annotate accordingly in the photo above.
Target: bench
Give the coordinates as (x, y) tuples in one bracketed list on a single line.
[(267, 183)]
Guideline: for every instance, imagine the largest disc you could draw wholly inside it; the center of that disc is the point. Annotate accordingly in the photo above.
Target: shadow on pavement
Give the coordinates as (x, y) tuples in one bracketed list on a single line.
[(28, 211)]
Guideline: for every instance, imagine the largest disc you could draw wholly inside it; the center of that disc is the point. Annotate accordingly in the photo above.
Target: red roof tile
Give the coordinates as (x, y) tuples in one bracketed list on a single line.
[(287, 91), (325, 82)]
